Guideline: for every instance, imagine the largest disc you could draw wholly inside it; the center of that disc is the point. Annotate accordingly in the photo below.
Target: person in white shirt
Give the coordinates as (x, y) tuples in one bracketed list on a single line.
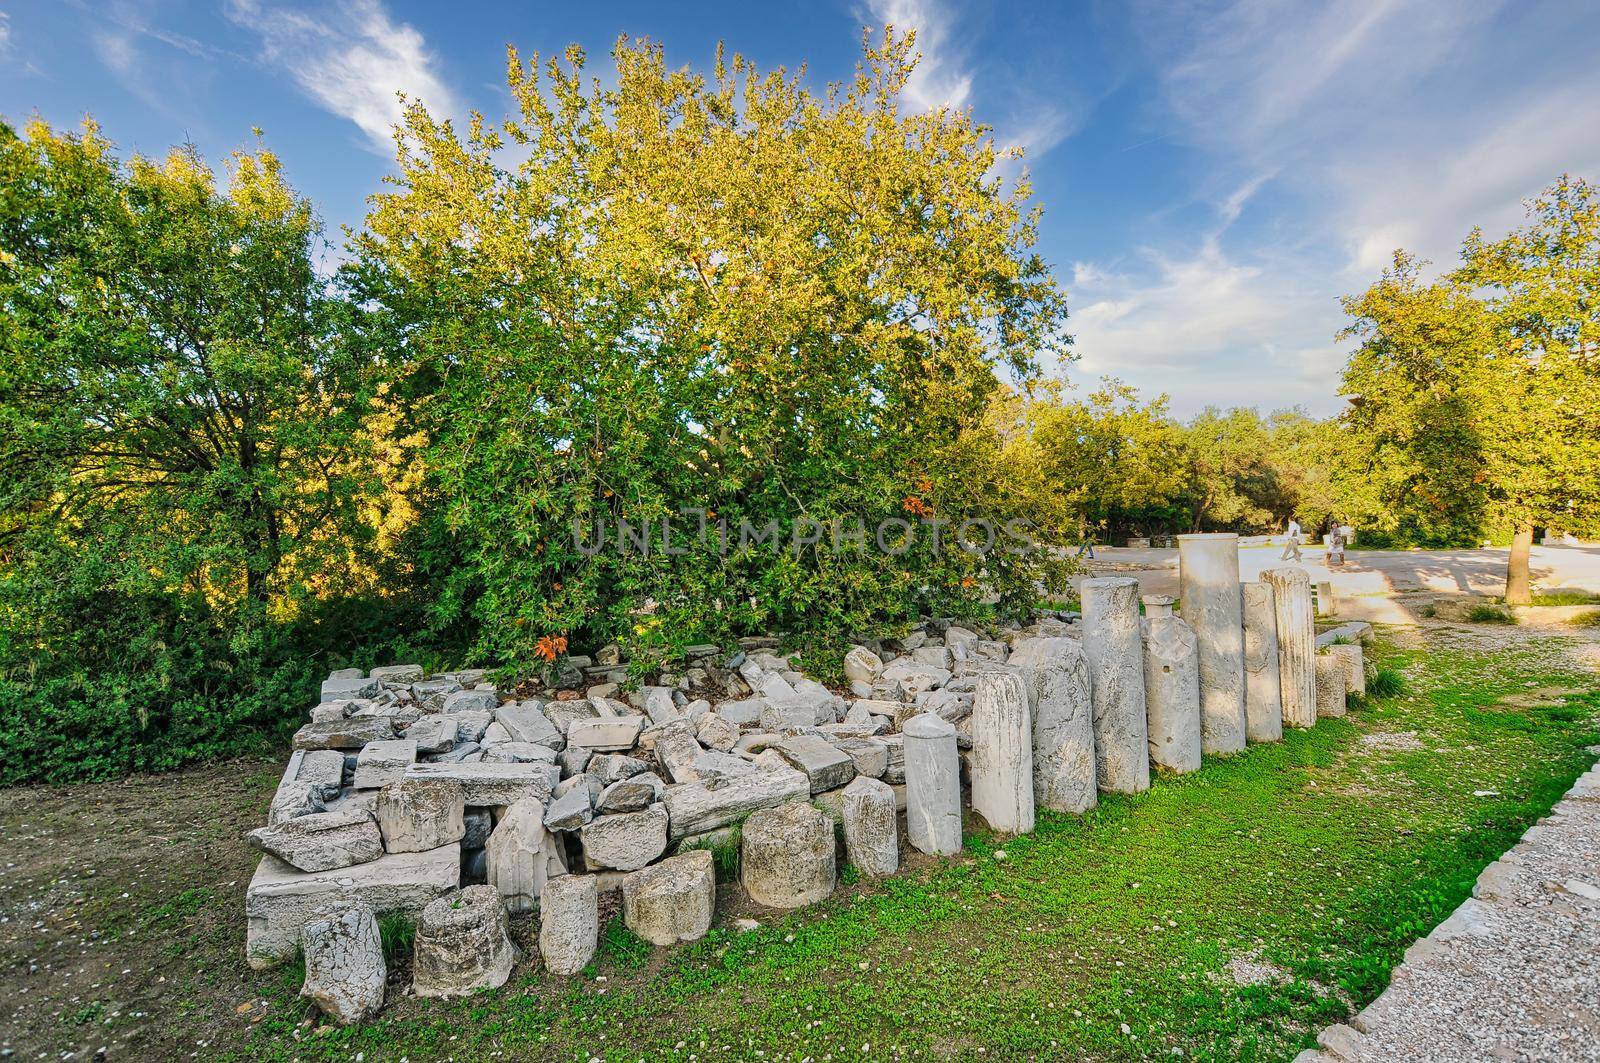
[(1291, 546)]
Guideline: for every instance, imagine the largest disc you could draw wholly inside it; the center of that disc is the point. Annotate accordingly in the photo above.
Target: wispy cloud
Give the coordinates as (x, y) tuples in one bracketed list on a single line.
[(949, 75), (5, 33), (353, 59)]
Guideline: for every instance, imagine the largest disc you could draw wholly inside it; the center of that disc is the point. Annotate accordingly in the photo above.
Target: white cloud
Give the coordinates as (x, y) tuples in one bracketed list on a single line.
[(353, 60), (940, 79), (5, 33), (117, 52)]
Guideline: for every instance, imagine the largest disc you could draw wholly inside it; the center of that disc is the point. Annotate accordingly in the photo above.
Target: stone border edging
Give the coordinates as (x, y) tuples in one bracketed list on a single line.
[(1448, 1000)]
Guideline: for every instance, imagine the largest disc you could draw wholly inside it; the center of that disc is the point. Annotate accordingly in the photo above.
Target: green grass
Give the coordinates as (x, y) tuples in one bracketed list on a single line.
[(1566, 596), (398, 933), (1490, 614), (1386, 682), (1322, 855)]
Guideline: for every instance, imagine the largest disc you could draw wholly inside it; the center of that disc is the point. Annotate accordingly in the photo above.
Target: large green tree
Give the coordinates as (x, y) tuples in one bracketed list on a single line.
[(1476, 397), (664, 289)]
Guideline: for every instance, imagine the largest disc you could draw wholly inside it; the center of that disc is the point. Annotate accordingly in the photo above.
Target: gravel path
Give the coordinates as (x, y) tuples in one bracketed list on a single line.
[(1514, 973)]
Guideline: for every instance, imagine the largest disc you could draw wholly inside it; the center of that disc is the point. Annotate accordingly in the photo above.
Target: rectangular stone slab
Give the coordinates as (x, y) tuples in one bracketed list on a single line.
[(692, 809), (381, 763), (344, 734), (605, 733), (489, 784), (525, 723), (281, 900)]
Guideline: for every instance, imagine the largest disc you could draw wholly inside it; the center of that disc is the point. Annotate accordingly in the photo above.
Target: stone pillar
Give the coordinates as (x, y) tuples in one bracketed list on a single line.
[(569, 922), (1330, 685), (1171, 687), (1327, 602), (1355, 666), (871, 835), (1002, 753), (1297, 644), (933, 785), (1057, 677), (1208, 576), (1112, 643), (1263, 690)]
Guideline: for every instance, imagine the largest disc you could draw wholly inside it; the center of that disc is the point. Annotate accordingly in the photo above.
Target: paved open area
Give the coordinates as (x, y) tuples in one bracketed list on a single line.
[(1384, 586)]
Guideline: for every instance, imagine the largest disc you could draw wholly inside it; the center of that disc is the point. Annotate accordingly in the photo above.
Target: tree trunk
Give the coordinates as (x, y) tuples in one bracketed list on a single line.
[(1517, 590)]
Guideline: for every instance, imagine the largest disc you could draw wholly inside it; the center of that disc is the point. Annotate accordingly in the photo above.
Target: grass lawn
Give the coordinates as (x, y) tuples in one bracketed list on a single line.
[(1308, 865)]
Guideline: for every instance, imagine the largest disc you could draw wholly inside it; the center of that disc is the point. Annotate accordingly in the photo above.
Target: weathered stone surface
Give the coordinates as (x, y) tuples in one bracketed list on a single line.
[(694, 808), (494, 784), (659, 706), (463, 945), (1263, 686), (321, 841), (911, 677), (826, 767), (416, 815), (933, 785), (870, 756), (787, 856), (519, 753), (717, 769), (1291, 598), (1057, 676), (1331, 681), (470, 701), (569, 923), (479, 823), (561, 714), (672, 901), (281, 900), (321, 768), (743, 713), (431, 693), (1171, 688), (381, 763), (522, 856), (1353, 660), (346, 688), (1113, 646), (345, 972), (571, 810), (626, 841), (871, 833), (715, 732), (861, 665), (294, 799), (398, 674), (606, 733), (434, 734), (344, 733), (676, 752), (895, 773), (1002, 753), (609, 767), (526, 722), (472, 726), (631, 794), (1208, 573)]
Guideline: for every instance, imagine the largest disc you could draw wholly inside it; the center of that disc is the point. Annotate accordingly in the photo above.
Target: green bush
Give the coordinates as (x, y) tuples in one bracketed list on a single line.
[(1491, 614)]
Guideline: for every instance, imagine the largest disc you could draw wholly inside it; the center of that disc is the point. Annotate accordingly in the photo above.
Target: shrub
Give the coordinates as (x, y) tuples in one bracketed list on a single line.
[(1490, 614), (1386, 682)]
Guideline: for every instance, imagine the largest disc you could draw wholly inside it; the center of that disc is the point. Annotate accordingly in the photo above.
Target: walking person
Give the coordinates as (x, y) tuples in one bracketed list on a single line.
[(1291, 545), (1336, 545), (1087, 546)]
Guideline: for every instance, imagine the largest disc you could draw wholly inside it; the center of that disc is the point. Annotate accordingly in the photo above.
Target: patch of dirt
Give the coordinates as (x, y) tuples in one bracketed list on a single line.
[(1251, 969), (1392, 741)]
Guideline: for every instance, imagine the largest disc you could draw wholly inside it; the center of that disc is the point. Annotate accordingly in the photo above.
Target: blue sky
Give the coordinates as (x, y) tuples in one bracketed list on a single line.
[(1214, 175)]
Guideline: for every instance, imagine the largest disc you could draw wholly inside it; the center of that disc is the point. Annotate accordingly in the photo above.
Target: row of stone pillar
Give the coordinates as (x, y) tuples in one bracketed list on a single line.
[(1063, 720)]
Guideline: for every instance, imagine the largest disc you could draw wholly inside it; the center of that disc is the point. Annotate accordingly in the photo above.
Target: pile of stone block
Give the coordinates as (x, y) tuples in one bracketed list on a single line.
[(450, 800)]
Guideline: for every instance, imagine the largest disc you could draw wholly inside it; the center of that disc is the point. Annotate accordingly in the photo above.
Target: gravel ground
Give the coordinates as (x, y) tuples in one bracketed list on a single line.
[(1514, 974)]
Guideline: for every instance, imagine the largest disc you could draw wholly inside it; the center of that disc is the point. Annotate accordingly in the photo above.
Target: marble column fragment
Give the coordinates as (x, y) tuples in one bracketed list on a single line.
[(1113, 645), (1355, 667), (1208, 577), (933, 785), (1171, 687), (1330, 685), (1263, 685), (1297, 644), (1002, 753), (1057, 676)]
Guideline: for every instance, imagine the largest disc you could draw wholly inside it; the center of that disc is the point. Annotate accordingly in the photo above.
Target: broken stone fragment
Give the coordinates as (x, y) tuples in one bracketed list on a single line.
[(416, 815), (787, 856), (493, 785), (745, 712), (434, 734), (561, 714), (871, 832), (676, 753), (672, 901), (383, 762), (399, 674), (569, 923), (470, 701), (870, 756), (345, 972), (519, 753), (344, 733), (716, 769), (606, 733), (321, 841), (349, 687), (526, 722), (609, 767), (522, 856), (862, 665), (715, 732), (463, 945), (625, 841), (695, 809), (281, 900), (430, 693), (826, 767), (571, 810)]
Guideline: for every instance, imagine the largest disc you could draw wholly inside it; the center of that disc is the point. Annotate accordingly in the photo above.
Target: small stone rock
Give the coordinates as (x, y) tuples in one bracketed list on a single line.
[(415, 815), (345, 972), (626, 841), (522, 856), (871, 833), (322, 841)]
